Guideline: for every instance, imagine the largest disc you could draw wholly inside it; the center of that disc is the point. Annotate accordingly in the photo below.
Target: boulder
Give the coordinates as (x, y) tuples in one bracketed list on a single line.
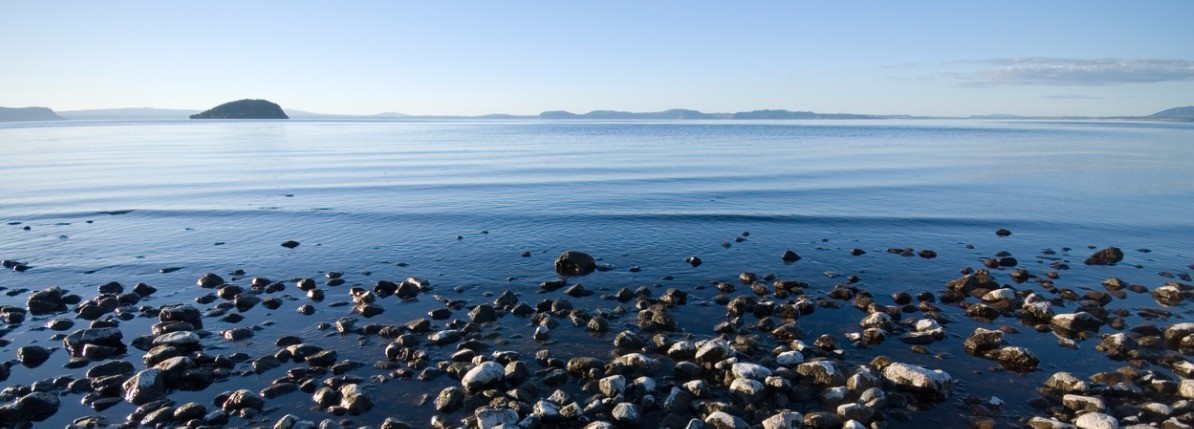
[(483, 376), (1107, 256), (915, 379), (573, 263), (147, 385)]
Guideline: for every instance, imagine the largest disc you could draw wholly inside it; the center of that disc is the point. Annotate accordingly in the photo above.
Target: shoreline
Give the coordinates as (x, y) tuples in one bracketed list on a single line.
[(730, 352)]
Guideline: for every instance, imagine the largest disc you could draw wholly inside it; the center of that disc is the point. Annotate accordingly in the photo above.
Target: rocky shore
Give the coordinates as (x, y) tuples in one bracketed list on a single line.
[(604, 357)]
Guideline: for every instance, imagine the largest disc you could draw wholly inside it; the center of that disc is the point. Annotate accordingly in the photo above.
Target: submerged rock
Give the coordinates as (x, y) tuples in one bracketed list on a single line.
[(1107, 256)]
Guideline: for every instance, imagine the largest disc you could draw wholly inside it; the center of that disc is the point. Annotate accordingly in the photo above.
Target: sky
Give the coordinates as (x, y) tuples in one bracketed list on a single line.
[(943, 58)]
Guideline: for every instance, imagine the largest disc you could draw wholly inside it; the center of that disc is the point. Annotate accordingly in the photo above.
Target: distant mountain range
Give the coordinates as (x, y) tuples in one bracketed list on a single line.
[(1177, 114)]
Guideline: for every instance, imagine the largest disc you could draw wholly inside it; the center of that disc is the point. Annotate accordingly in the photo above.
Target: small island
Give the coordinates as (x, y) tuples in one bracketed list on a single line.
[(8, 114), (243, 109)]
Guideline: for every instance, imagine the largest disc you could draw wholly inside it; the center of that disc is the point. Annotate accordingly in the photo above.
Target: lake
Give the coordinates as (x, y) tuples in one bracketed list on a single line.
[(458, 202)]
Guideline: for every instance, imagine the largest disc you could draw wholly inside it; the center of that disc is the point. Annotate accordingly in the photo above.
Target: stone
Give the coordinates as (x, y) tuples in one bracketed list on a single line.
[(790, 256), (790, 358), (747, 390), (1065, 382), (354, 400), (147, 385), (449, 400), (33, 356), (1096, 420), (626, 413), (483, 313), (784, 420), (489, 418), (1083, 404), (612, 386), (243, 399), (1106, 256), (723, 420), (34, 406), (750, 371), (574, 263), (1017, 359), (918, 380), (483, 376), (1075, 322)]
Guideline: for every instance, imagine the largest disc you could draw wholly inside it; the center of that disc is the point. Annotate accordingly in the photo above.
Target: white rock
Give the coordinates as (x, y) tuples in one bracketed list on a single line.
[(926, 325), (790, 358), (747, 389), (784, 420), (1066, 383), (723, 420), (177, 339), (920, 379), (646, 385), (625, 412), (999, 295), (483, 376), (612, 386), (1096, 421), (853, 424), (489, 418), (1083, 404), (640, 363), (1186, 389), (750, 370), (546, 410), (876, 320), (1047, 423)]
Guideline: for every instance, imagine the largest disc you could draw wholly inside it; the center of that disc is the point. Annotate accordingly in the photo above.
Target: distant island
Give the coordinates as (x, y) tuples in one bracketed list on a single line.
[(243, 109), (9, 114)]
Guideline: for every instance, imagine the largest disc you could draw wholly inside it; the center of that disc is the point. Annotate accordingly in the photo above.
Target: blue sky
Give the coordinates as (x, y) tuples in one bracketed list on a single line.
[(924, 58)]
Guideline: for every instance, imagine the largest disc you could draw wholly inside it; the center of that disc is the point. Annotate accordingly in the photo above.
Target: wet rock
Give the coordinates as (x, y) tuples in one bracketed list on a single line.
[(915, 379), (1169, 294), (1176, 333), (110, 368), (750, 371), (1075, 322), (693, 260), (713, 350), (290, 244), (980, 279), (790, 358), (34, 406), (46, 301), (746, 390), (354, 400), (181, 313), (243, 399), (449, 400), (1107, 256), (483, 376), (983, 341), (1018, 359), (1064, 382), (1083, 404), (107, 337), (210, 281), (574, 263), (483, 313), (790, 256), (147, 385), (822, 373), (33, 356), (639, 363)]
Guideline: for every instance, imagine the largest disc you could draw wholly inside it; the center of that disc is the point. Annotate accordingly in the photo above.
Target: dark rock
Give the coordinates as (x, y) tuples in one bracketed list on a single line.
[(33, 356), (242, 399), (210, 280), (147, 385), (573, 263), (790, 256), (694, 261), (290, 244), (483, 313), (1107, 256)]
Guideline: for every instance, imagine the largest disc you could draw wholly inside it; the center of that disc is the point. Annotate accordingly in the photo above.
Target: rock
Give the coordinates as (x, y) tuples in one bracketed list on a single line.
[(483, 376), (790, 256), (640, 363), (1174, 334), (1001, 295), (790, 358), (1046, 423), (713, 350), (489, 418), (694, 261), (179, 339), (750, 371), (483, 313), (626, 413), (449, 400), (612, 386), (1017, 359), (1064, 382), (1168, 294), (574, 263), (33, 356), (919, 380), (1096, 420), (784, 420), (110, 368), (290, 244), (242, 399), (147, 385), (1075, 322), (354, 400), (877, 320), (1083, 404), (34, 406), (1107, 256), (746, 390), (46, 301), (823, 373), (723, 420), (181, 313), (210, 280), (983, 341)]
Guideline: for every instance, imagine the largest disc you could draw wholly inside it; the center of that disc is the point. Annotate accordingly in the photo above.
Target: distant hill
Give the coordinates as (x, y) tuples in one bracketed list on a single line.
[(785, 114), (131, 113), (1184, 114), (614, 114), (243, 109), (10, 114)]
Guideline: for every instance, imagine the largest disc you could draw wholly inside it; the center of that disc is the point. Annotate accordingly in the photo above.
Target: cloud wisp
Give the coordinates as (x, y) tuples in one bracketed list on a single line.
[(1074, 72)]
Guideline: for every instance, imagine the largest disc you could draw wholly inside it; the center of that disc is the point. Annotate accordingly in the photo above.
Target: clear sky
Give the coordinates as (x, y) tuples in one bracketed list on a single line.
[(523, 57)]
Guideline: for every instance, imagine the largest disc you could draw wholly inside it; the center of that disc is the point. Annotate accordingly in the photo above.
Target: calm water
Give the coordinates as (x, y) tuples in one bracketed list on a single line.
[(457, 202)]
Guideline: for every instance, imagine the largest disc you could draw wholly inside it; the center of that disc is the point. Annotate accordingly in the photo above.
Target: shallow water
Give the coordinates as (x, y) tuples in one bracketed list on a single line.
[(457, 202)]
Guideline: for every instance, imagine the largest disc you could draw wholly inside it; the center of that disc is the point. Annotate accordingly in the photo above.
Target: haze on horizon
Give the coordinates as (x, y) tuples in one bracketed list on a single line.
[(941, 58)]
